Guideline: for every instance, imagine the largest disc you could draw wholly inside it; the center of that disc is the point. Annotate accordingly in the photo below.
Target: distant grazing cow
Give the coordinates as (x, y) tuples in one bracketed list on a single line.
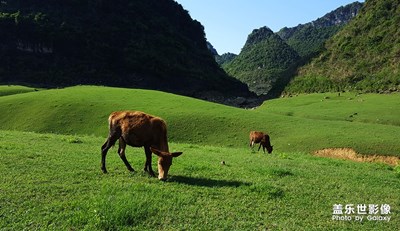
[(263, 139), (138, 129)]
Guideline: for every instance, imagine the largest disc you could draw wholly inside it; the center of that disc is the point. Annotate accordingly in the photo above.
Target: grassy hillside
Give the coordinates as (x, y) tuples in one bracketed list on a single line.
[(54, 182), (345, 107), (303, 124), (14, 89), (363, 56)]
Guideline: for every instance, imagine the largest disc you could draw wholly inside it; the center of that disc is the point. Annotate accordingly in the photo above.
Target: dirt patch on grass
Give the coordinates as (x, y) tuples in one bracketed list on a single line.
[(350, 154)]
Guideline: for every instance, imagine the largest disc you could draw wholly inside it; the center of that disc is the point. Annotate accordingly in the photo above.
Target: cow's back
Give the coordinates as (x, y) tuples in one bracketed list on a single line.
[(138, 128), (256, 136)]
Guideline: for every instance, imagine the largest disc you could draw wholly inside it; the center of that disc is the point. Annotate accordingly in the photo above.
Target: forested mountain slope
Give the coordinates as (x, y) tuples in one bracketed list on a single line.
[(132, 43), (363, 56), (268, 61), (308, 39), (264, 60)]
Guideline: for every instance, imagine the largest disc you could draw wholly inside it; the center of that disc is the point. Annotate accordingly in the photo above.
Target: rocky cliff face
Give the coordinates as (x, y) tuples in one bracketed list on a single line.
[(340, 16), (308, 39)]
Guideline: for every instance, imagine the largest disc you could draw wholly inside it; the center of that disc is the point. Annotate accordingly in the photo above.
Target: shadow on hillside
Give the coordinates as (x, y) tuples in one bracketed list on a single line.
[(206, 182)]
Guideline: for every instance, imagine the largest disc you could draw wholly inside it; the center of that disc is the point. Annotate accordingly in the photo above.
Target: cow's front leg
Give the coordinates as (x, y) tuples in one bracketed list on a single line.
[(121, 152), (112, 138), (147, 164)]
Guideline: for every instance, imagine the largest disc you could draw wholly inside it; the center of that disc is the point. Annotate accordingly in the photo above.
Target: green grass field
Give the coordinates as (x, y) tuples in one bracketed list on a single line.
[(51, 179), (54, 182)]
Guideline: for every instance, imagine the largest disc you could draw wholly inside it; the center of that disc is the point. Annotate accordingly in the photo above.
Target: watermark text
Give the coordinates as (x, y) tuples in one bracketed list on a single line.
[(361, 212)]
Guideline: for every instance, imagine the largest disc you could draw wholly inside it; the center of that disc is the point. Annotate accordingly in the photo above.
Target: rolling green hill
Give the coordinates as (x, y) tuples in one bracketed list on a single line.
[(363, 56), (324, 123), (12, 89), (152, 44)]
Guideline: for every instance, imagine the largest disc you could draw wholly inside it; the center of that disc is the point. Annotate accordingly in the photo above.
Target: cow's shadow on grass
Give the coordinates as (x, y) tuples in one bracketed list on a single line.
[(206, 182)]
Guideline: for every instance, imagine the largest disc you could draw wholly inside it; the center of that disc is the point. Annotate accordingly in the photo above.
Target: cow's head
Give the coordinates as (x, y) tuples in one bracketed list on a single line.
[(269, 148), (164, 162), (266, 143)]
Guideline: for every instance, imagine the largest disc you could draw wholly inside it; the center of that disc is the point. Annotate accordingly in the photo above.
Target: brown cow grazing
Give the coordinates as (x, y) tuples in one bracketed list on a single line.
[(138, 129), (263, 139)]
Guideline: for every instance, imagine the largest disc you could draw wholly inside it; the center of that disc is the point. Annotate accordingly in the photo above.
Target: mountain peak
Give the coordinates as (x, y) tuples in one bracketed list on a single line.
[(264, 60), (258, 35)]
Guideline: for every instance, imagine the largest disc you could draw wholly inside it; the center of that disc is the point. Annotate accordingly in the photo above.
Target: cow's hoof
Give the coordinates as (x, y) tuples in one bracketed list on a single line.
[(151, 174)]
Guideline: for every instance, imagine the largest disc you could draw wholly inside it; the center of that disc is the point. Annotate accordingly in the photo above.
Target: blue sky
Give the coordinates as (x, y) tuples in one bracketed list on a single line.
[(227, 23)]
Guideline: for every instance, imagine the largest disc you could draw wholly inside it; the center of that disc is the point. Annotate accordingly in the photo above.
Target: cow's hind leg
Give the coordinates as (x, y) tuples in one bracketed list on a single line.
[(112, 138), (121, 152), (147, 164)]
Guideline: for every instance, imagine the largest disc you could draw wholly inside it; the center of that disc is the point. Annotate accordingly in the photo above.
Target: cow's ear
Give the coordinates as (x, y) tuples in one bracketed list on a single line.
[(158, 152), (176, 154)]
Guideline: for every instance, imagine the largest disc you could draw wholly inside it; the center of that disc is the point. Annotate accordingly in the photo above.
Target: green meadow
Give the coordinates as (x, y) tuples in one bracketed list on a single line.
[(304, 123), (51, 179)]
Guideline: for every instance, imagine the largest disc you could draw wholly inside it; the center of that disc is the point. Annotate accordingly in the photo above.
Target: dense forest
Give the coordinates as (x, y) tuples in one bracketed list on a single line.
[(130, 43), (364, 56)]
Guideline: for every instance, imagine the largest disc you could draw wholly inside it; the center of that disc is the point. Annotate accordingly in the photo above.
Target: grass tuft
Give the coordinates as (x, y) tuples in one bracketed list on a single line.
[(281, 172)]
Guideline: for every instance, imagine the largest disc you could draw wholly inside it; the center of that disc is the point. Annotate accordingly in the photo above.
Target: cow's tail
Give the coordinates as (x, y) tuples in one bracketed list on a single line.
[(114, 129)]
